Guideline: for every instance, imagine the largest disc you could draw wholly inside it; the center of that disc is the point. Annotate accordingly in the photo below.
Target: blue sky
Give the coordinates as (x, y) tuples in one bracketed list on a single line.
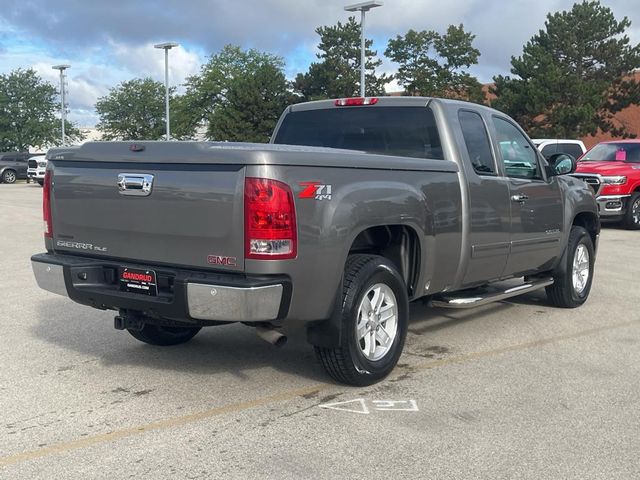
[(109, 42)]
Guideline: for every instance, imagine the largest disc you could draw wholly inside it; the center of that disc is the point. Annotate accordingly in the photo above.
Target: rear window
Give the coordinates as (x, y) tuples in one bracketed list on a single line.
[(549, 150), (401, 131), (572, 149)]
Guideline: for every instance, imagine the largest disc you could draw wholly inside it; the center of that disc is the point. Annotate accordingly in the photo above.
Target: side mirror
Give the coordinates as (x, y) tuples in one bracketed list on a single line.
[(562, 164)]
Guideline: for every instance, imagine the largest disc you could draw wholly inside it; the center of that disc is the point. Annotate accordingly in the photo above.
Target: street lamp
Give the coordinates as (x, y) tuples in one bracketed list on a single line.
[(63, 106), (166, 47), (362, 7)]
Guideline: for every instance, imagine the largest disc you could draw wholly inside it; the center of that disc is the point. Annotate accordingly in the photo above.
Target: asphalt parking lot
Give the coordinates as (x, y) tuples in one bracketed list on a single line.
[(511, 390)]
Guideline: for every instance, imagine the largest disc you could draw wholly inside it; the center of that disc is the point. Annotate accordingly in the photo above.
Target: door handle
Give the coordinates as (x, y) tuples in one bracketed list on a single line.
[(135, 184), (519, 198)]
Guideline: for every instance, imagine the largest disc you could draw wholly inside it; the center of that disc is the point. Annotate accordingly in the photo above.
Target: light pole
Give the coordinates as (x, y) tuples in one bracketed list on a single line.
[(63, 103), (363, 8), (166, 47)]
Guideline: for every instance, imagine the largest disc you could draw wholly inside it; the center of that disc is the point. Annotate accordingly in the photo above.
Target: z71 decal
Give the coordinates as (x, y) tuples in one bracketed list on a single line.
[(315, 190)]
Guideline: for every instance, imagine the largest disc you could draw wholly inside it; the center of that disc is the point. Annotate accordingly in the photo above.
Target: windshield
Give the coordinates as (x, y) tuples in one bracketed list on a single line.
[(611, 152), (402, 131)]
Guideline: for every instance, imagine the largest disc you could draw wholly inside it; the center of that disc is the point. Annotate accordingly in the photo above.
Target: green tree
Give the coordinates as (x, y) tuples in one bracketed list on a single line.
[(133, 110), (432, 64), (573, 76), (238, 94), (28, 110), (337, 74)]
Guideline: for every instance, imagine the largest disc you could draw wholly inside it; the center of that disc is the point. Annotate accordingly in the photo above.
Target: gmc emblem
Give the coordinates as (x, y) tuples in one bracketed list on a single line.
[(218, 260)]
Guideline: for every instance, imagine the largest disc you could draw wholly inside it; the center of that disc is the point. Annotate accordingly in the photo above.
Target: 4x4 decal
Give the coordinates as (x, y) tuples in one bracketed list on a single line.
[(315, 190)]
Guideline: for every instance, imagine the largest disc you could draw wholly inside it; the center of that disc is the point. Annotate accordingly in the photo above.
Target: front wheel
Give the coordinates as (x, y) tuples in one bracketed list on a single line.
[(164, 336), (632, 217), (373, 314), (571, 289)]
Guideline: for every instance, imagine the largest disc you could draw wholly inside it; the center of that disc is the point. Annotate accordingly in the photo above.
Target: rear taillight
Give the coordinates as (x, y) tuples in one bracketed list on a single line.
[(46, 205), (354, 102), (269, 219)]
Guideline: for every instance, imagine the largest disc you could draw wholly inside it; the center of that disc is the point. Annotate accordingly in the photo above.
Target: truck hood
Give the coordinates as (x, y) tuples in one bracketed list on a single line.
[(607, 168)]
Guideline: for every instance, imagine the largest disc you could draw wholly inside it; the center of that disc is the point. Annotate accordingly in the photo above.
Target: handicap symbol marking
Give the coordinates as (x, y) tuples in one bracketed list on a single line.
[(355, 406), (359, 405), (395, 405)]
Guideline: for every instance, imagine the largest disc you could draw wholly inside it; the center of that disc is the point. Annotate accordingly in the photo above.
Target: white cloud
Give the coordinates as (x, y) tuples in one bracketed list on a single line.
[(107, 43), (145, 60)]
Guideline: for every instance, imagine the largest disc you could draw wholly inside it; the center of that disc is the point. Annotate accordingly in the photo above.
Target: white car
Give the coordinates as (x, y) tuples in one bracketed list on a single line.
[(36, 169), (549, 146)]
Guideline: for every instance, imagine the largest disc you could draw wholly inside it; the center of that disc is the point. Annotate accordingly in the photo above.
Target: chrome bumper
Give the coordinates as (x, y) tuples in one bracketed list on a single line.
[(50, 277), (611, 205), (204, 301), (37, 174), (215, 302)]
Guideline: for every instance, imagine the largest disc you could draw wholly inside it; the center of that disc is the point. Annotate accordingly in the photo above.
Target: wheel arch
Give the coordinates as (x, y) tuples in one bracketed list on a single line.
[(590, 222), (398, 243)]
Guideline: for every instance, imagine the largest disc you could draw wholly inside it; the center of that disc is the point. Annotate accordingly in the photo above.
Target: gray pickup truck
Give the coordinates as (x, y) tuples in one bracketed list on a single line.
[(357, 207)]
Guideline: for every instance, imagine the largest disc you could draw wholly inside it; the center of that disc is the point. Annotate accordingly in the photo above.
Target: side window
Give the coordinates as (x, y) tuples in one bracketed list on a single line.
[(571, 148), (477, 142), (549, 150), (519, 157)]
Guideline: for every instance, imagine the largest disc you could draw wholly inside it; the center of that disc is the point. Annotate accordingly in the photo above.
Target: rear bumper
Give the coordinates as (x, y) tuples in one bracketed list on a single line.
[(183, 295)]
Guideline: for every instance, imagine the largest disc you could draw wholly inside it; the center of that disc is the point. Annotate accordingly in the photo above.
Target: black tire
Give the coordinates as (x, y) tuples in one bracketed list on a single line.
[(347, 363), (40, 182), (164, 336), (632, 217), (563, 293), (9, 176)]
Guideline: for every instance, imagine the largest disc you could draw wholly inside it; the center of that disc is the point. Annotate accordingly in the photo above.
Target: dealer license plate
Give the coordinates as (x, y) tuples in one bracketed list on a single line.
[(138, 281)]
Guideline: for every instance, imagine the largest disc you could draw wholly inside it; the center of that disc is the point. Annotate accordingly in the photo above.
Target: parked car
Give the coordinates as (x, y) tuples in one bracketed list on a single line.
[(612, 169), (37, 165), (414, 198), (552, 146), (13, 166)]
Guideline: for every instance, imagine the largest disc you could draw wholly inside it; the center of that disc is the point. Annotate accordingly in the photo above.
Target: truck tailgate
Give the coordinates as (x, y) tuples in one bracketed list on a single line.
[(193, 215)]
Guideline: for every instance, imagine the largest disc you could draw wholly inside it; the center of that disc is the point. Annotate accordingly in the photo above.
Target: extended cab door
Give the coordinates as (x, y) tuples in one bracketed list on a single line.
[(536, 203), (489, 208)]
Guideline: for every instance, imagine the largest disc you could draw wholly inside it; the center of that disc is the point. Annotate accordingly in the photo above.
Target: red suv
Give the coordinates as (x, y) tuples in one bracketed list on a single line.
[(612, 169)]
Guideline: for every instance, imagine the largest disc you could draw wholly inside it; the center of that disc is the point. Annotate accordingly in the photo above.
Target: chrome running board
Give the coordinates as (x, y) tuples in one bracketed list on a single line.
[(451, 301)]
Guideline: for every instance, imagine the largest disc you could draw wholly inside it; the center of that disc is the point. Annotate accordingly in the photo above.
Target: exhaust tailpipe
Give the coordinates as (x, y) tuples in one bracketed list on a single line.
[(271, 335)]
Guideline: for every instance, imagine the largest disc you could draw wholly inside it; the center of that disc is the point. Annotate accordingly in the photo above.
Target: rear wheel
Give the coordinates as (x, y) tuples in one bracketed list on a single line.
[(8, 176), (164, 336), (632, 217), (571, 289), (374, 313)]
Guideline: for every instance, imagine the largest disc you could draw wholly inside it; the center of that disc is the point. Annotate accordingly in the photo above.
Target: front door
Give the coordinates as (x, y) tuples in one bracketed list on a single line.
[(536, 203)]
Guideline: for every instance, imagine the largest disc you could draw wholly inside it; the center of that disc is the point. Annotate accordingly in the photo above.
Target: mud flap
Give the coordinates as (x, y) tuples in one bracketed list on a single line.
[(327, 333)]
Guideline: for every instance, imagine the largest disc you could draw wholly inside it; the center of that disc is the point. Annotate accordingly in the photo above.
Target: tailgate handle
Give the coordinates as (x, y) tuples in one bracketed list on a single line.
[(136, 184)]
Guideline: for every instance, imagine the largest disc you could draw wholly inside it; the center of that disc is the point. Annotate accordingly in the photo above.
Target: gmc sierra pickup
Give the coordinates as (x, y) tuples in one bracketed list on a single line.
[(357, 207)]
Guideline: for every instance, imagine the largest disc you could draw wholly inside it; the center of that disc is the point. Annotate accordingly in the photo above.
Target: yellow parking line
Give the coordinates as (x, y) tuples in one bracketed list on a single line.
[(159, 425), (279, 397)]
